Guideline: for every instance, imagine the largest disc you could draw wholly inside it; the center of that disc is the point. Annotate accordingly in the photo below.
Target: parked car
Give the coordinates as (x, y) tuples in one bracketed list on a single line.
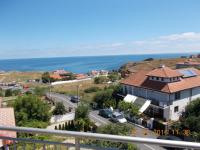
[(173, 138), (75, 99), (118, 117), (107, 113)]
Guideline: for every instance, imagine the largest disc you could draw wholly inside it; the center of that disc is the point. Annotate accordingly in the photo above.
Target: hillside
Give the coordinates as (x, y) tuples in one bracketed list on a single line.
[(132, 67)]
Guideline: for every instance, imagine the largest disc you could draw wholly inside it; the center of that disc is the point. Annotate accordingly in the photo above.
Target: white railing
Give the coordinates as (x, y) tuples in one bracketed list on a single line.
[(93, 136)]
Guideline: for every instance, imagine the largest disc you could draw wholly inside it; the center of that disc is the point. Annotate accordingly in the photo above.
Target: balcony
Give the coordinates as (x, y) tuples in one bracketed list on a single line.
[(27, 143)]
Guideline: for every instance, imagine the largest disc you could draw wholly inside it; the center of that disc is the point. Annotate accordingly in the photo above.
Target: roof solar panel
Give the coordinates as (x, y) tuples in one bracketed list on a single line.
[(188, 73)]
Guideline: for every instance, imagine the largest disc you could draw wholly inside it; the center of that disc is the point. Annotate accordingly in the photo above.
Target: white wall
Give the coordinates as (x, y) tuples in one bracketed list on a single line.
[(195, 93), (185, 98), (146, 93)]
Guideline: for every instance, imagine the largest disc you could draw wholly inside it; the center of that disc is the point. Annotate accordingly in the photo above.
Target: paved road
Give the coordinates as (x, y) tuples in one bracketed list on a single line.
[(67, 103), (139, 132)]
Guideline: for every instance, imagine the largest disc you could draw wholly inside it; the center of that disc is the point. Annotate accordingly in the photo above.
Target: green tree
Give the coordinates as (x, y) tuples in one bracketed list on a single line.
[(30, 110), (99, 80), (59, 109), (92, 89), (128, 108), (46, 78), (40, 91), (115, 129), (114, 76), (68, 76), (82, 120), (8, 93), (105, 98), (190, 119), (16, 92)]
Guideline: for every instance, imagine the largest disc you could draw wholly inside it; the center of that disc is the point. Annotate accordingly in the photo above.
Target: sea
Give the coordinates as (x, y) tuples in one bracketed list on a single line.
[(81, 64)]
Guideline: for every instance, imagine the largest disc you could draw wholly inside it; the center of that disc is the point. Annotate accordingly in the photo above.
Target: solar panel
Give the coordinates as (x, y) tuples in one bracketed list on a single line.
[(188, 73)]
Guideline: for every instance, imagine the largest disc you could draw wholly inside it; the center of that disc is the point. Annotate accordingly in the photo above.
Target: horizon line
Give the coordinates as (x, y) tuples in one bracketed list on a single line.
[(97, 55)]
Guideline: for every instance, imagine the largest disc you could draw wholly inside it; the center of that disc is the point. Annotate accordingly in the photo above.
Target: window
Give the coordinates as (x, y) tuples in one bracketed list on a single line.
[(162, 79), (176, 109), (157, 78), (177, 95)]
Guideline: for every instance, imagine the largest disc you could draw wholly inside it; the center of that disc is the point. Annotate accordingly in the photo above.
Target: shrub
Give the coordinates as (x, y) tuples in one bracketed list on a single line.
[(8, 93), (59, 109), (92, 89), (101, 79)]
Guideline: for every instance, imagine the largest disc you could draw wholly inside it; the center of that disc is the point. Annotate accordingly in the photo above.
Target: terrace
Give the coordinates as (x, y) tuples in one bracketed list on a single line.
[(22, 143)]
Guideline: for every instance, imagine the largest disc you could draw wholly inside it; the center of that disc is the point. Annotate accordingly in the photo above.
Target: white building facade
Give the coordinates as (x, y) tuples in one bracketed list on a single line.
[(168, 89)]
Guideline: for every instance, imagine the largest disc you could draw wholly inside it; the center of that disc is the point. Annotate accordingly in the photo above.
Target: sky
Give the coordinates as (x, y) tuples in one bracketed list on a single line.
[(61, 28)]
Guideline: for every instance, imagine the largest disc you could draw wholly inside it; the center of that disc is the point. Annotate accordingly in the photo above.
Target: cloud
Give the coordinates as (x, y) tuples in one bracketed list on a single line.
[(183, 42), (174, 43), (191, 36)]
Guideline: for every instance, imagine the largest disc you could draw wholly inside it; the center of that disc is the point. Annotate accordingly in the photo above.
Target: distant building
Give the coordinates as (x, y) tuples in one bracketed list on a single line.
[(168, 90), (81, 76), (96, 73), (187, 64), (56, 76), (60, 72)]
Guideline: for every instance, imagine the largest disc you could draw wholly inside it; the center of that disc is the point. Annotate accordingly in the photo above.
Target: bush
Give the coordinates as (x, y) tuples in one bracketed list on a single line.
[(149, 59), (16, 92), (8, 93), (105, 98), (115, 129), (100, 80), (30, 108), (40, 91), (114, 76), (46, 78), (128, 108), (59, 109), (92, 89)]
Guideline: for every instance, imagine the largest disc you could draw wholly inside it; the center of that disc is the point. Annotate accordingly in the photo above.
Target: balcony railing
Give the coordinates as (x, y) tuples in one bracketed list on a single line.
[(78, 136)]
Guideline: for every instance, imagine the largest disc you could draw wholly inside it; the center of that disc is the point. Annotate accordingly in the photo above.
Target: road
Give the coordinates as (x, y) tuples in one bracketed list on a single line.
[(138, 132), (67, 103)]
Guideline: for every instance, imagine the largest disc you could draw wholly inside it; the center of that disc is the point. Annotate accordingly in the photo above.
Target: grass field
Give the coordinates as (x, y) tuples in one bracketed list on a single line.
[(149, 65), (20, 76), (71, 89)]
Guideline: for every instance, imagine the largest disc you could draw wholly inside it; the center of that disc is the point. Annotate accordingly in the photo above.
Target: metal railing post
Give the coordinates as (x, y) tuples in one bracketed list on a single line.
[(77, 144)]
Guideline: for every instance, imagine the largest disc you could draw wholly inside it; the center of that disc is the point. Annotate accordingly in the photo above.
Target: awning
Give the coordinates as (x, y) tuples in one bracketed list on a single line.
[(130, 98), (140, 102)]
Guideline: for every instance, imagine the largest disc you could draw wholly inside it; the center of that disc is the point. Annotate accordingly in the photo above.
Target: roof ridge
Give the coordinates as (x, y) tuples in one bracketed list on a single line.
[(165, 72)]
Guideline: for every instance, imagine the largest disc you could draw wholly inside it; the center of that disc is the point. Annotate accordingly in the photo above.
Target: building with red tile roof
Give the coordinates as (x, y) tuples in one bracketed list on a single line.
[(170, 89), (7, 118), (187, 64), (56, 76), (81, 76)]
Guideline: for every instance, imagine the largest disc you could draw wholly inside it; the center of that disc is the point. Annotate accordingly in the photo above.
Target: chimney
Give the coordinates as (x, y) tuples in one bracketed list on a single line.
[(162, 66)]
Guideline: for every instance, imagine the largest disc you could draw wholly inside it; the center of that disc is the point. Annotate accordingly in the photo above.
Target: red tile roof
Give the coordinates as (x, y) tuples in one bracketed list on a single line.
[(189, 63), (7, 118), (140, 79), (56, 76), (165, 72)]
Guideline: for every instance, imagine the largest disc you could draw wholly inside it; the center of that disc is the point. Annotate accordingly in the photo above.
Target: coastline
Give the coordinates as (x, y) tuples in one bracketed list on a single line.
[(82, 64)]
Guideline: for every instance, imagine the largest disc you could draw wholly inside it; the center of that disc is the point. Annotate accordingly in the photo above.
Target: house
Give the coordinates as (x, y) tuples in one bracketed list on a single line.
[(168, 90), (56, 76), (96, 73), (187, 64), (7, 118), (81, 76), (60, 72)]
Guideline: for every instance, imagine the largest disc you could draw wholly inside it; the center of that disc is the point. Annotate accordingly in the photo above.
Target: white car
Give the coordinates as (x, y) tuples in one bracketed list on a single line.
[(118, 117)]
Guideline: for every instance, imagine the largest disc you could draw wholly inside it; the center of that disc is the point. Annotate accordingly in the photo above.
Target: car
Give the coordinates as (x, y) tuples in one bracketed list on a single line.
[(118, 117), (75, 99), (170, 137), (106, 113)]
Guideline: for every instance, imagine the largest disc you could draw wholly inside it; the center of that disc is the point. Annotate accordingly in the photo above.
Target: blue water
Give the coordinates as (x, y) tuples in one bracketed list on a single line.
[(77, 64)]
